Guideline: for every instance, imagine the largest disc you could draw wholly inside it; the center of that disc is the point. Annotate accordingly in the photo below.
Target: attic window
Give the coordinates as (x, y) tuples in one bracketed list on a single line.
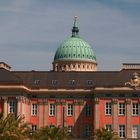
[(34, 96), (52, 96), (36, 82), (89, 82), (72, 82), (54, 82), (108, 95)]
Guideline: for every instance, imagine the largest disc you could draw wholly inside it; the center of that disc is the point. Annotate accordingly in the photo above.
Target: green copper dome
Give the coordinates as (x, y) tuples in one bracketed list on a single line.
[(75, 48)]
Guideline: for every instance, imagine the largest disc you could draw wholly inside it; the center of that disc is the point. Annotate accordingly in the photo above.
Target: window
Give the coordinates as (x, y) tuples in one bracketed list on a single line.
[(134, 95), (108, 127), (89, 82), (51, 126), (122, 131), (36, 82), (34, 96), (34, 109), (70, 109), (135, 109), (108, 95), (121, 108), (121, 95), (12, 106), (88, 130), (108, 109), (52, 96), (70, 129), (34, 128), (88, 110), (54, 82), (135, 131), (52, 109), (72, 82)]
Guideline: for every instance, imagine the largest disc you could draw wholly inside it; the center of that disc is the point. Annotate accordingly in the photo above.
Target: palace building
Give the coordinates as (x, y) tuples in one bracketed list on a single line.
[(74, 94)]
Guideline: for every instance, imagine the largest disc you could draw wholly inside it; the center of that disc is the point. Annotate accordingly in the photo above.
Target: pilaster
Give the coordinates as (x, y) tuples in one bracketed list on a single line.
[(18, 104), (58, 112), (5, 108), (46, 112), (128, 118), (82, 105), (40, 113), (115, 114), (96, 113)]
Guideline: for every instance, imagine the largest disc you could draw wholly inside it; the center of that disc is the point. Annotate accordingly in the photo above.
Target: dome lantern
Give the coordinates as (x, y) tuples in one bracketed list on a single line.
[(75, 30), (74, 54)]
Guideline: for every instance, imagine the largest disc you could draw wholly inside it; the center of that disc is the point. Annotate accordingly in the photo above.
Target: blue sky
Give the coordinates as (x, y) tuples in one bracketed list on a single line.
[(31, 31)]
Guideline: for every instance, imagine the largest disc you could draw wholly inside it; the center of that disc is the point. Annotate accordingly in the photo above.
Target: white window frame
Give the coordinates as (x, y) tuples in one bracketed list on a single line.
[(70, 109), (135, 109), (122, 132), (70, 127), (135, 130), (12, 106), (34, 109), (108, 127), (52, 109), (121, 108), (108, 108), (88, 110)]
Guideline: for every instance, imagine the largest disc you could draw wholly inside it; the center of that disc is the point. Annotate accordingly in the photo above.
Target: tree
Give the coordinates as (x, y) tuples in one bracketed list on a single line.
[(54, 133), (12, 128), (104, 134)]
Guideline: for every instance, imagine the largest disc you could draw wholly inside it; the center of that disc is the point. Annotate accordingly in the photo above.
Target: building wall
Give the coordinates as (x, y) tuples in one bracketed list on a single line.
[(78, 120)]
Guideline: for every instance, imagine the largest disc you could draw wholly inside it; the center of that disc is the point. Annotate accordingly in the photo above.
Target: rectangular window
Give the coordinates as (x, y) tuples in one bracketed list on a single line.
[(52, 110), (70, 110), (88, 110), (70, 129), (36, 82), (34, 109), (121, 108), (135, 109), (89, 82), (108, 127), (12, 106), (34, 128), (121, 131), (72, 82), (51, 126), (54, 82), (108, 109), (135, 131), (88, 130)]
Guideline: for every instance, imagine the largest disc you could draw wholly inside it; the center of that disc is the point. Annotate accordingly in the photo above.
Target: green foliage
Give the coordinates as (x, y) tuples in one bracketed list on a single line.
[(12, 128), (54, 133), (104, 134)]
